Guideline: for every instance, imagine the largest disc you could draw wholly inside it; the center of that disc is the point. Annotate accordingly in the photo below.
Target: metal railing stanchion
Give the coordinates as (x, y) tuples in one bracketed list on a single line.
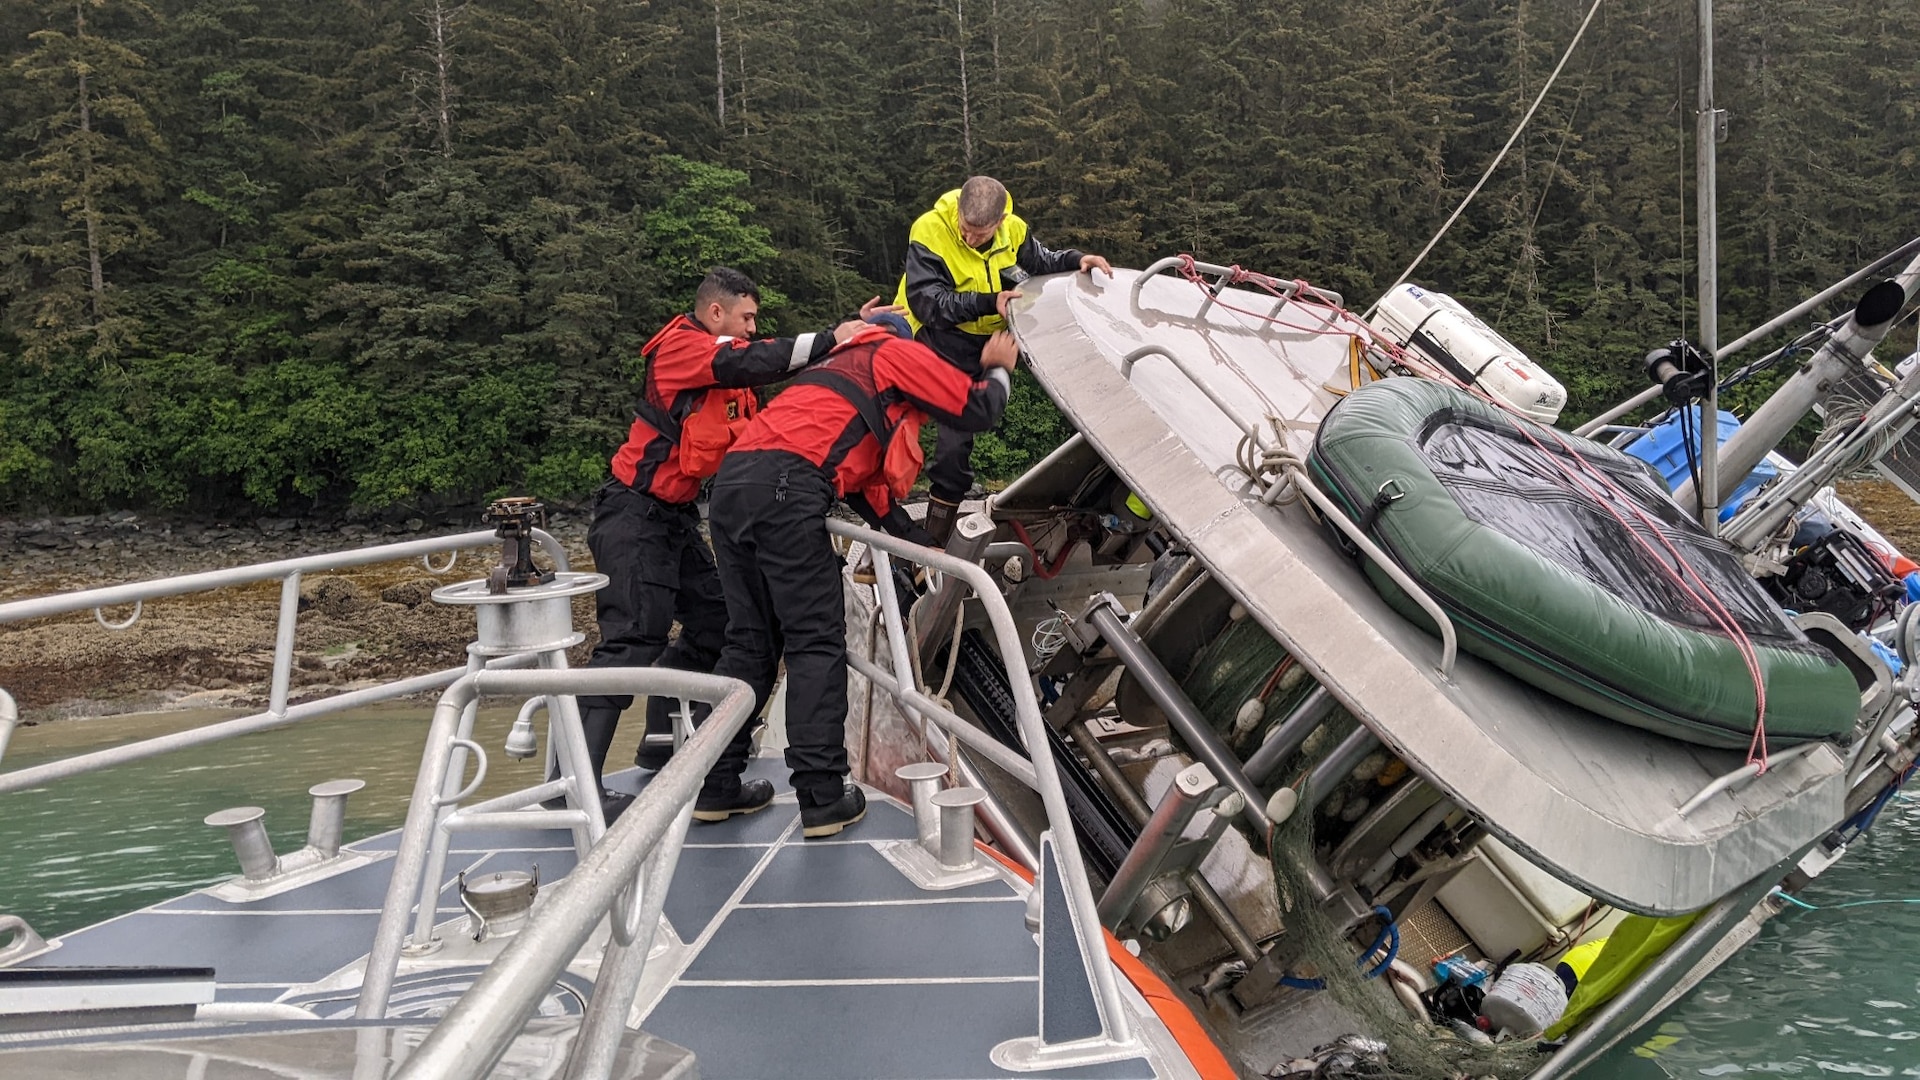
[(474, 1034), (283, 643), (1032, 729)]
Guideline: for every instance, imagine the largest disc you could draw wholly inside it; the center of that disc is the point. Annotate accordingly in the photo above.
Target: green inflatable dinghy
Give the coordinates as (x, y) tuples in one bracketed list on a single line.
[(1544, 582)]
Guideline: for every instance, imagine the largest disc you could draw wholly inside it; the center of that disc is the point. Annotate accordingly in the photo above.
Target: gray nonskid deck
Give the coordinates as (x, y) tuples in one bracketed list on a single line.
[(802, 958)]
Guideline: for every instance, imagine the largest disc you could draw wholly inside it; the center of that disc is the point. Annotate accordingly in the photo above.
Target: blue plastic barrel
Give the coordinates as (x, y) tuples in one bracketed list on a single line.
[(1662, 448)]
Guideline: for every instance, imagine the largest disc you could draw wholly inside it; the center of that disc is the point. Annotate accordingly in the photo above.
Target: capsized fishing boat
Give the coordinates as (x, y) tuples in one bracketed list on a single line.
[(1390, 798)]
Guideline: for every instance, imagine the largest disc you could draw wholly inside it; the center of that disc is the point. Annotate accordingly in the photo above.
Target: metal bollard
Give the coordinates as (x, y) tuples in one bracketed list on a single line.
[(923, 780), (329, 819), (956, 825), (249, 835)]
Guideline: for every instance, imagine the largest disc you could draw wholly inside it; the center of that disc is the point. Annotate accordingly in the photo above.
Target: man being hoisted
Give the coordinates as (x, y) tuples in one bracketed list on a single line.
[(965, 260), (849, 428), (696, 397)]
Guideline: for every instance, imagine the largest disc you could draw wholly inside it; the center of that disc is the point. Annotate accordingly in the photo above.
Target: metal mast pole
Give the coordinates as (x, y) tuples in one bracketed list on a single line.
[(1707, 130)]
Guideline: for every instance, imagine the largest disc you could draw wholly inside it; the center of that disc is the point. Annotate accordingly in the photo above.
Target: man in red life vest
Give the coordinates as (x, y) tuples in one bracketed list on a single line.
[(645, 534), (847, 428), (966, 258)]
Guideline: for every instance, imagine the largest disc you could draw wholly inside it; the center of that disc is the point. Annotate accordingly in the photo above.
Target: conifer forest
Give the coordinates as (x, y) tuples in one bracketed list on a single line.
[(308, 257)]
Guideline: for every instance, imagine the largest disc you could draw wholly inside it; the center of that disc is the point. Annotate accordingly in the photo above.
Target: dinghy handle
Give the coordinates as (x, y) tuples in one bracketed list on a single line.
[(1449, 640)]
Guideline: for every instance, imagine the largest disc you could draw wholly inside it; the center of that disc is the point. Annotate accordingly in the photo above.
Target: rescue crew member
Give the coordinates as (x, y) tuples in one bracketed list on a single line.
[(847, 428), (645, 534), (965, 260)]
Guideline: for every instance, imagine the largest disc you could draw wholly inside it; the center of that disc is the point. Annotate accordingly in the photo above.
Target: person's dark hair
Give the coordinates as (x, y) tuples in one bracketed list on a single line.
[(723, 285), (983, 201)]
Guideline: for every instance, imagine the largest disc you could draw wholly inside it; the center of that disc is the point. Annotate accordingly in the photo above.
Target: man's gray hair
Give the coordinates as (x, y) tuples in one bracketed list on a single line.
[(983, 200)]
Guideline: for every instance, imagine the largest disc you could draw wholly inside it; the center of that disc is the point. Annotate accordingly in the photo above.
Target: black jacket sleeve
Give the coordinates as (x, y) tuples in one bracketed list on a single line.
[(932, 296), (1036, 258), (738, 363)]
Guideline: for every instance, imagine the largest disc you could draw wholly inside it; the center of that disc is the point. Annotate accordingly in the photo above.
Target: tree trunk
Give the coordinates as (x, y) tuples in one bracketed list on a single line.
[(89, 210), (440, 34), (719, 70), (994, 13), (966, 103)]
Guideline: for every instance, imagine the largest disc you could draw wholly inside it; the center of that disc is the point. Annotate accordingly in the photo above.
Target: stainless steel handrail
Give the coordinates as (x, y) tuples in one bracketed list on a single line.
[(9, 717), (1251, 429), (1224, 276), (36, 775), (474, 1034), (288, 572), (180, 585), (1033, 732)]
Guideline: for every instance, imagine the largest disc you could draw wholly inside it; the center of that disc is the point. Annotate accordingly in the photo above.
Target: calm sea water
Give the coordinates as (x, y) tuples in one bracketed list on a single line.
[(1828, 992)]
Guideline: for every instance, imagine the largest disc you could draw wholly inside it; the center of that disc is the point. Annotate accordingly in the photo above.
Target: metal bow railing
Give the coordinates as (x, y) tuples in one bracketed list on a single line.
[(278, 714)]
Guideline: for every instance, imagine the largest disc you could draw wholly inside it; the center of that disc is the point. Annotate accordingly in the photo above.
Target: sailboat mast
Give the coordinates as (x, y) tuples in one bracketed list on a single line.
[(1708, 128)]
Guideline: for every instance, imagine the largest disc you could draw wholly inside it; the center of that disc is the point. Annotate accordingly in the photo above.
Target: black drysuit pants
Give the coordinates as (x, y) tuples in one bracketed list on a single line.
[(658, 571), (768, 518)]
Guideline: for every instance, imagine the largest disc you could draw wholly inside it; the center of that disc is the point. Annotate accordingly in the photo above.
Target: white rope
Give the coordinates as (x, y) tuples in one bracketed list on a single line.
[(1498, 158)]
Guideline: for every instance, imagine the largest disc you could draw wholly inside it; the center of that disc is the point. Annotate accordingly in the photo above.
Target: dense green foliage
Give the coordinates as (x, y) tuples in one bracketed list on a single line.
[(401, 253)]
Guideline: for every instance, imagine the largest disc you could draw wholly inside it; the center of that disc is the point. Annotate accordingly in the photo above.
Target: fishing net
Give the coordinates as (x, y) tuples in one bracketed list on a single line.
[(1237, 666), (1414, 1050), (1243, 663)]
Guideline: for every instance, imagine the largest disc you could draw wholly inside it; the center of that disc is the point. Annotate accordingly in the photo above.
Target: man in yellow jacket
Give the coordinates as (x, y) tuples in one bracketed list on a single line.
[(966, 258)]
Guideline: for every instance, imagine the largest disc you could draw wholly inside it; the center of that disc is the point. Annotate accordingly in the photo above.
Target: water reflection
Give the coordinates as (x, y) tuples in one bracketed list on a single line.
[(1832, 991)]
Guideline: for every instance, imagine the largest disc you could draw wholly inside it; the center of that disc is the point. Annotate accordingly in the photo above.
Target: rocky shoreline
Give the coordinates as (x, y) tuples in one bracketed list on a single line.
[(357, 627)]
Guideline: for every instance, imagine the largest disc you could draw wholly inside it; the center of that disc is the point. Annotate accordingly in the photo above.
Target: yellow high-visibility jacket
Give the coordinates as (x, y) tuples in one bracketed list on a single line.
[(948, 288)]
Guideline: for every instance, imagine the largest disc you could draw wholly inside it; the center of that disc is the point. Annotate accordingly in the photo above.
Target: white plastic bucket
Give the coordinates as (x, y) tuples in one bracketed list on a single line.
[(1525, 1001)]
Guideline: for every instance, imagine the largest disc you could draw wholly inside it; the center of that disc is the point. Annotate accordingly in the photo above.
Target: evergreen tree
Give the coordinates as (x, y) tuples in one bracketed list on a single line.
[(91, 165)]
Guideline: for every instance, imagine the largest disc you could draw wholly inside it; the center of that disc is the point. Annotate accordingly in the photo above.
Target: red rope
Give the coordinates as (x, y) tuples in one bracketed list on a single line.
[(1708, 604), (1040, 569)]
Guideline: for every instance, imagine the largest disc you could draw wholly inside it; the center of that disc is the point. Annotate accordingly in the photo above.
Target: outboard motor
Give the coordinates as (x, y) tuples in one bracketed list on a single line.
[(1838, 574)]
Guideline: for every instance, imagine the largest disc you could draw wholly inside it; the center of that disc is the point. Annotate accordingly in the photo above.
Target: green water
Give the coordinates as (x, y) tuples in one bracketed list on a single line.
[(1829, 992), (98, 845)]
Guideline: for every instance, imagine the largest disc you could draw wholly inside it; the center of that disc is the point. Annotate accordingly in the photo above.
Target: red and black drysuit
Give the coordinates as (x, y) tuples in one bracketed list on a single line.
[(645, 534), (768, 521)]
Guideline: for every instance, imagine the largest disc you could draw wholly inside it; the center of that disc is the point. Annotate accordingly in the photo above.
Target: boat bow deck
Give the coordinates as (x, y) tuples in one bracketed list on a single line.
[(788, 958)]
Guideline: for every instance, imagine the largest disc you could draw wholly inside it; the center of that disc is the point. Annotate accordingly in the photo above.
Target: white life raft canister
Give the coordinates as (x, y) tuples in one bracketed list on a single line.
[(1435, 326)]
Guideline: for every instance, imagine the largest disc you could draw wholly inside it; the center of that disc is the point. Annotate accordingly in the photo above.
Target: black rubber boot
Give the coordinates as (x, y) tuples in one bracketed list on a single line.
[(656, 746), (828, 820), (597, 724), (752, 797), (940, 518)]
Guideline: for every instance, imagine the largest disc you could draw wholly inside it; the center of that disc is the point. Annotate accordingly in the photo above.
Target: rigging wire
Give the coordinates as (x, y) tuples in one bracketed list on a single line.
[(1497, 158)]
